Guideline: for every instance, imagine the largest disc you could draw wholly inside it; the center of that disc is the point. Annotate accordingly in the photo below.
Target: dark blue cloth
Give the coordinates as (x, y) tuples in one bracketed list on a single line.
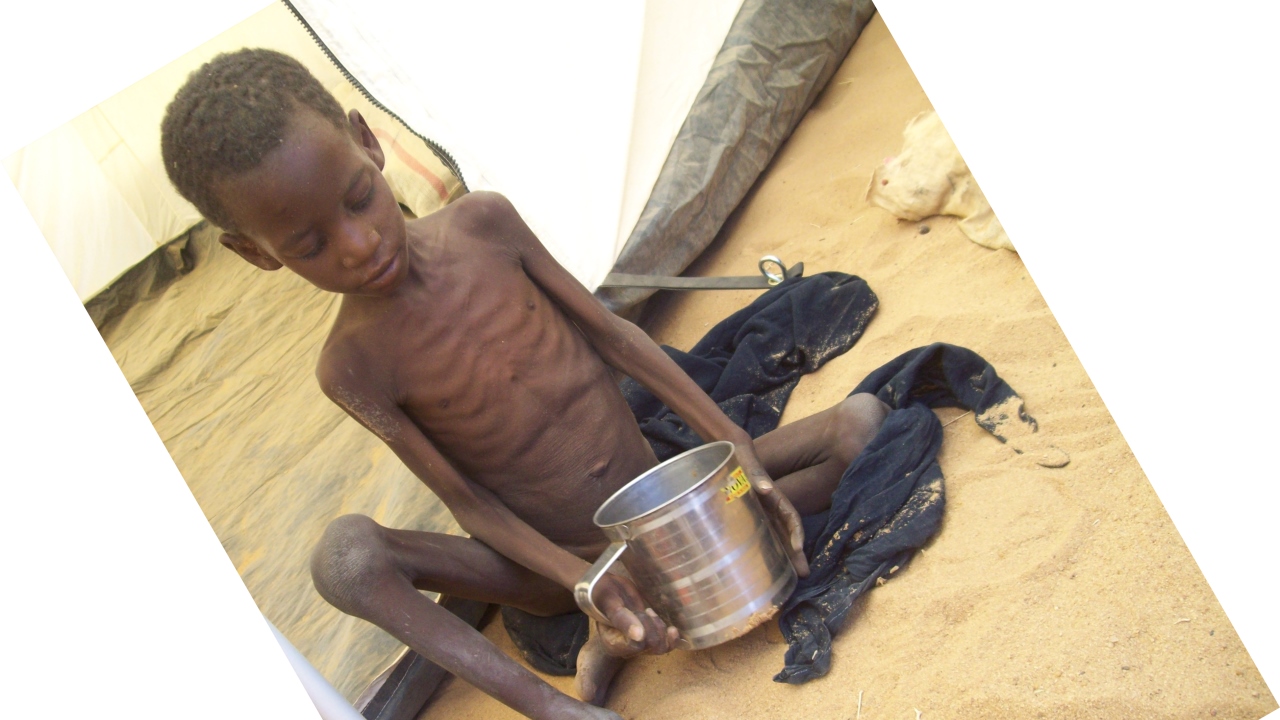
[(751, 361), (889, 501)]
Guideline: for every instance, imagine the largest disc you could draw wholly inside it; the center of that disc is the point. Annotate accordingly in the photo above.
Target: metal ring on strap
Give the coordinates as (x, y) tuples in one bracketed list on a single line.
[(774, 277)]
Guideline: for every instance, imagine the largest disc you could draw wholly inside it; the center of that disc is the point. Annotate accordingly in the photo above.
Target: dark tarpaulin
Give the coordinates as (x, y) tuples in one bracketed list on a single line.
[(776, 59), (148, 279)]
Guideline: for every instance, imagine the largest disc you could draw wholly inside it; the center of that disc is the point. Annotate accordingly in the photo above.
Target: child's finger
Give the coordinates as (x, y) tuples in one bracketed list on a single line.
[(663, 635), (655, 632), (800, 562), (795, 534), (660, 636), (786, 522), (616, 643), (628, 624), (795, 544)]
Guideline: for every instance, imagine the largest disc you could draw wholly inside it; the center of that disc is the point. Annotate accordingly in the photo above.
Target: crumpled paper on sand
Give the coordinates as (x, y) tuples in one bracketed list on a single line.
[(930, 178)]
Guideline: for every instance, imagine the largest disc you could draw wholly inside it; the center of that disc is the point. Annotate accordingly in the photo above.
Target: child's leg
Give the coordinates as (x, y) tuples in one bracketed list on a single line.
[(807, 457), (806, 460), (375, 573)]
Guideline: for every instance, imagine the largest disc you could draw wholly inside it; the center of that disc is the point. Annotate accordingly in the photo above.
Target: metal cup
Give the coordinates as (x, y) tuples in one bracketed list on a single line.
[(697, 543)]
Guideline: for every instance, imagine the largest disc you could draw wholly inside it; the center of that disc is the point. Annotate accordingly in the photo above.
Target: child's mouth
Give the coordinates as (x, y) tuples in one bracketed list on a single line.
[(383, 276)]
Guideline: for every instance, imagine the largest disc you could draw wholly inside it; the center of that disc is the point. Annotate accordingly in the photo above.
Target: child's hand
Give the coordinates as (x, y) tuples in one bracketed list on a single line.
[(780, 510), (634, 627)]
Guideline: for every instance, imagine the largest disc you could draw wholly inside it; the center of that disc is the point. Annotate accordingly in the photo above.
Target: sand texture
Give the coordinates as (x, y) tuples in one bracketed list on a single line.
[(1056, 593)]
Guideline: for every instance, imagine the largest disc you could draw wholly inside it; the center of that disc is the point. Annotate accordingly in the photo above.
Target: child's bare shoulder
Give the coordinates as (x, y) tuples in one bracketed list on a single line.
[(349, 357), (484, 215), (481, 205), (453, 234), (342, 366)]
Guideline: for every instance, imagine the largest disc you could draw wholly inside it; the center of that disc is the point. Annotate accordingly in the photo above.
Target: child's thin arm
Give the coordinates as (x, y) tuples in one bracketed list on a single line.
[(626, 347)]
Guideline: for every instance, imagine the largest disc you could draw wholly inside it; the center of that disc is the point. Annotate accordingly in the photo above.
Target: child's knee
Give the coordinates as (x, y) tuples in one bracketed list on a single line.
[(857, 420), (349, 561)]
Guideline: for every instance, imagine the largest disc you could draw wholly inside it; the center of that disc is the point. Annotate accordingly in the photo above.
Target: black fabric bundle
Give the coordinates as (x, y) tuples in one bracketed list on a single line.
[(889, 501), (751, 361)]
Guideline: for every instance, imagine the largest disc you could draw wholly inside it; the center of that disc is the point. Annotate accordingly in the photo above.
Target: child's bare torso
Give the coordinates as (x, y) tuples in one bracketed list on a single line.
[(498, 378)]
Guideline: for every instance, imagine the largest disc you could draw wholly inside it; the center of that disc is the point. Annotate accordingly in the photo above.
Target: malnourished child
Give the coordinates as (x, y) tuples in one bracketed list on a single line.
[(482, 364)]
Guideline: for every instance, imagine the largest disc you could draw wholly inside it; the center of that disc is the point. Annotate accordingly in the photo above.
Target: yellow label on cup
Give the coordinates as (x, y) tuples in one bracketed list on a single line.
[(737, 487)]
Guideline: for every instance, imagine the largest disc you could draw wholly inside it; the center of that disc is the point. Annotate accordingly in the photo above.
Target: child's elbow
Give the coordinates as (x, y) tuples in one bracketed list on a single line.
[(468, 512)]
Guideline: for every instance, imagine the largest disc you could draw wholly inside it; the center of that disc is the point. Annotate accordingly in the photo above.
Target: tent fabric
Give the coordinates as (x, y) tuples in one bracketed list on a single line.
[(106, 163), (106, 235), (778, 56), (147, 279)]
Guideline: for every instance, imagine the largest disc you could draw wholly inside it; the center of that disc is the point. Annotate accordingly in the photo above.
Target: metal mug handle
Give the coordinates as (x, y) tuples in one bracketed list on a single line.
[(582, 591)]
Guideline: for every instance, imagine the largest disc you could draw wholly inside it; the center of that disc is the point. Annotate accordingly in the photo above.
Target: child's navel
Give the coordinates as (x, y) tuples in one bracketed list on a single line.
[(444, 403), (529, 305)]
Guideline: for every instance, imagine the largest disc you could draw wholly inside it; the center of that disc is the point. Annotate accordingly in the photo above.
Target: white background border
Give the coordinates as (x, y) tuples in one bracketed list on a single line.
[(118, 599), (1130, 151)]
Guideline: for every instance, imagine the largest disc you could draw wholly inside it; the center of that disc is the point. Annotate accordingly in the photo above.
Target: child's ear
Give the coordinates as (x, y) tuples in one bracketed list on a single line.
[(249, 250), (366, 138)]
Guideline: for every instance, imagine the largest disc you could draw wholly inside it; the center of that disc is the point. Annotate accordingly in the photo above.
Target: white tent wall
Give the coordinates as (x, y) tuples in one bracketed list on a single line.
[(681, 40), (97, 186), (104, 237), (569, 108), (542, 110)]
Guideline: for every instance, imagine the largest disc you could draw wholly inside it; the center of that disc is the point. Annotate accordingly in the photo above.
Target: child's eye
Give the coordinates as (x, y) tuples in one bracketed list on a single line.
[(365, 201), (314, 250)]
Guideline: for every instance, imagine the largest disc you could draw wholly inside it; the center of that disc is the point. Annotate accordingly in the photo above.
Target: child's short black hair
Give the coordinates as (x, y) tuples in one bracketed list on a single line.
[(229, 115)]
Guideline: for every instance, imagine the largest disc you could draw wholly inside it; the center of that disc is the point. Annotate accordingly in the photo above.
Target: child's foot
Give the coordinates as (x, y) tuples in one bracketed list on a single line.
[(563, 707), (596, 669), (583, 711)]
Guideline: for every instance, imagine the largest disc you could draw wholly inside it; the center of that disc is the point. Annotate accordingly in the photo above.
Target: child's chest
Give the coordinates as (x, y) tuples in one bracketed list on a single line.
[(491, 354)]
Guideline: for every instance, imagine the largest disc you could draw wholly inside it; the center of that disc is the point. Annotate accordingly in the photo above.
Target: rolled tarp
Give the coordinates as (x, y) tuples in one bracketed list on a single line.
[(776, 59)]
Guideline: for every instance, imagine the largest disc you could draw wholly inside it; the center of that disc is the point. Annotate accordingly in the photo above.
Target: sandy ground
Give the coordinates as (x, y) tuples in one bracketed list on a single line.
[(1048, 593)]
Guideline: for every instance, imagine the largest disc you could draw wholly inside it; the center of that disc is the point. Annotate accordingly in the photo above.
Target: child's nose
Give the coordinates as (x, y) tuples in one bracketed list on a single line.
[(361, 247)]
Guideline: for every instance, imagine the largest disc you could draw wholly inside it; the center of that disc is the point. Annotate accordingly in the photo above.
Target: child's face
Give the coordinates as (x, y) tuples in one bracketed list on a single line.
[(319, 206)]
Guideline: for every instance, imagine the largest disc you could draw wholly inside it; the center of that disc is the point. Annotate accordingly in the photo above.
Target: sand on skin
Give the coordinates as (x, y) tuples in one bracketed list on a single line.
[(1057, 593)]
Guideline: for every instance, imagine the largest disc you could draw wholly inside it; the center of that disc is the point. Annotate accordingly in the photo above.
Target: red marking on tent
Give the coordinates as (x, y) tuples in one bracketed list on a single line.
[(413, 163)]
